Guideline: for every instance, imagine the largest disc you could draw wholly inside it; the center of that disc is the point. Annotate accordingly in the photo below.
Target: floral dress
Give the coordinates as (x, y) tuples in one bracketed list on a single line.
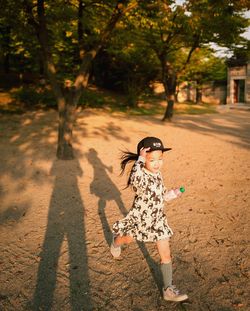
[(146, 220)]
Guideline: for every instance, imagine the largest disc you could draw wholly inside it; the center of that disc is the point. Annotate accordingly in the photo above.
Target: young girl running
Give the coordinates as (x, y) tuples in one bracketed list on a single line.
[(146, 220)]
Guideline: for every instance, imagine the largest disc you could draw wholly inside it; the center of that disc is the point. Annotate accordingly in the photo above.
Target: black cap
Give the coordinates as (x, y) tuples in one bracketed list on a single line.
[(152, 142)]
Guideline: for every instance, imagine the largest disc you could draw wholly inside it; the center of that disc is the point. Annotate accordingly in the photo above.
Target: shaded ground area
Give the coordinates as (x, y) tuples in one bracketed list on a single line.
[(56, 216)]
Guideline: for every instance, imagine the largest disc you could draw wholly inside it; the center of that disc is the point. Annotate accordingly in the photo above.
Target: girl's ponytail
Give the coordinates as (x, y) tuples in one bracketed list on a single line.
[(127, 157)]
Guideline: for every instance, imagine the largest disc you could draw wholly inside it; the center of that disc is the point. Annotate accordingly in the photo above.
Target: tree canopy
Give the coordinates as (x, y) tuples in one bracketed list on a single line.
[(119, 44)]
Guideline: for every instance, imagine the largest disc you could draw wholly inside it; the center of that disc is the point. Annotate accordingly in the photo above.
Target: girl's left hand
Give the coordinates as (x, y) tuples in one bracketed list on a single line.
[(143, 152)]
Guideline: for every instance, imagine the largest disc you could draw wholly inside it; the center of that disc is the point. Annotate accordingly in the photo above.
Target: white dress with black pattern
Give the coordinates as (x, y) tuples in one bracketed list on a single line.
[(146, 220)]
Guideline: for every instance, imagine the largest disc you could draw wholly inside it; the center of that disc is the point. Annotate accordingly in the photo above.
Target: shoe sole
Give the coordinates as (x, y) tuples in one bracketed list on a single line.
[(185, 297)]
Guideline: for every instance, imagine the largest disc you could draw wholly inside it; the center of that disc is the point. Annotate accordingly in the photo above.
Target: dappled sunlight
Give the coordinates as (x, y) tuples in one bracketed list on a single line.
[(26, 122), (26, 149), (17, 183), (110, 130), (193, 108), (52, 139), (56, 215), (103, 127), (14, 138), (14, 213)]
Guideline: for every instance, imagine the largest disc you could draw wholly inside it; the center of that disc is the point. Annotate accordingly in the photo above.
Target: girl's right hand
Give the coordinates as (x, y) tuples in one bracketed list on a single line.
[(143, 152)]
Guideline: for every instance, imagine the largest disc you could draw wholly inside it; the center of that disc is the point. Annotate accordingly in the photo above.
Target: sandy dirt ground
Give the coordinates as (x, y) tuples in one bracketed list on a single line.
[(56, 216)]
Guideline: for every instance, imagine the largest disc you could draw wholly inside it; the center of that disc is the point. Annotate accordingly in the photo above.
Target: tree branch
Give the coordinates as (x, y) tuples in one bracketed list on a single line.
[(83, 76), (195, 45), (42, 35)]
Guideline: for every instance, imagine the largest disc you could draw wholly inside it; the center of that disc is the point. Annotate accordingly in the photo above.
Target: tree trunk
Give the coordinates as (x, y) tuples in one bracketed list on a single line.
[(41, 64), (6, 49), (6, 63), (65, 110), (169, 83), (198, 97), (169, 80), (177, 91), (65, 128), (169, 74), (68, 99), (170, 108), (80, 30)]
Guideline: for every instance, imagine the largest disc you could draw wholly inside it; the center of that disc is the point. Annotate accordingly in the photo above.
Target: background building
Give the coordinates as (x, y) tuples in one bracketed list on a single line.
[(238, 84)]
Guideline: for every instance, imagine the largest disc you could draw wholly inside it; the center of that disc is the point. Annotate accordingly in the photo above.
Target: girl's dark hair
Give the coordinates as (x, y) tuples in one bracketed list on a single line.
[(127, 157)]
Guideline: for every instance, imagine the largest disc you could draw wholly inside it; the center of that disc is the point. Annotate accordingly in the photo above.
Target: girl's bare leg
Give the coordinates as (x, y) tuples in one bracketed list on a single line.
[(170, 293), (125, 239), (166, 264), (164, 251)]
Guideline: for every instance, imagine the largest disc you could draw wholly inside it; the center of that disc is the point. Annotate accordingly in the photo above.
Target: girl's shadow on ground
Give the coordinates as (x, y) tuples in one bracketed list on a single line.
[(104, 188)]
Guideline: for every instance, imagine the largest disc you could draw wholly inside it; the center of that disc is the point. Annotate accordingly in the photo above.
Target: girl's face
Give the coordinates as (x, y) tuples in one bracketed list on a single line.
[(154, 161)]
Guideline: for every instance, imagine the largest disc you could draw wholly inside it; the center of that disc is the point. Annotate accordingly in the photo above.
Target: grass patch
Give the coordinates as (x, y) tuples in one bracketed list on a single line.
[(194, 109), (28, 98)]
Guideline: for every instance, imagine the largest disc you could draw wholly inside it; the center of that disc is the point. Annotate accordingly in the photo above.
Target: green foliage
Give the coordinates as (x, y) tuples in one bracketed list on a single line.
[(17, 41), (92, 99), (204, 66), (33, 97), (221, 22), (241, 55), (129, 70), (155, 30)]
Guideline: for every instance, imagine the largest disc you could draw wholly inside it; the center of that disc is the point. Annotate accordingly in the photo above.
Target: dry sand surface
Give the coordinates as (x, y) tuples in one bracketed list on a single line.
[(55, 216)]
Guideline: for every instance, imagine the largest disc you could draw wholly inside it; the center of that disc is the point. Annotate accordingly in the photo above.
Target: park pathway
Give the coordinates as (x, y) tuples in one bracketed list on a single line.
[(56, 216)]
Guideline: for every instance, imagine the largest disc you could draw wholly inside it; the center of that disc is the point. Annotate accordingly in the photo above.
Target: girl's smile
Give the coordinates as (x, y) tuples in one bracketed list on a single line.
[(154, 161)]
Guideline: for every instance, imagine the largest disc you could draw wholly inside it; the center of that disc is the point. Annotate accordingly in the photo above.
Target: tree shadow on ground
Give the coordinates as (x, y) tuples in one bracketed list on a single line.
[(65, 222), (14, 213), (28, 140), (104, 188), (235, 125), (25, 141)]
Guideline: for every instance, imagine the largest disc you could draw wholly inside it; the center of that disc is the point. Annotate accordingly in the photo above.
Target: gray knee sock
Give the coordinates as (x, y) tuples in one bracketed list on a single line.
[(166, 269)]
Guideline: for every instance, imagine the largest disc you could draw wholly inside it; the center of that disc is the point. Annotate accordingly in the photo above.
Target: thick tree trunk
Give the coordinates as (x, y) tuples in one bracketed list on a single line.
[(198, 97), (177, 91), (41, 64), (170, 108), (65, 128), (6, 49), (6, 63), (170, 88), (169, 80), (169, 74), (65, 149), (68, 100)]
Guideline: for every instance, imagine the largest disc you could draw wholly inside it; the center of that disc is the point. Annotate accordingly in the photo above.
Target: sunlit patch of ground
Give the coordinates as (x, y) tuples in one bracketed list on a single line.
[(56, 216)]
